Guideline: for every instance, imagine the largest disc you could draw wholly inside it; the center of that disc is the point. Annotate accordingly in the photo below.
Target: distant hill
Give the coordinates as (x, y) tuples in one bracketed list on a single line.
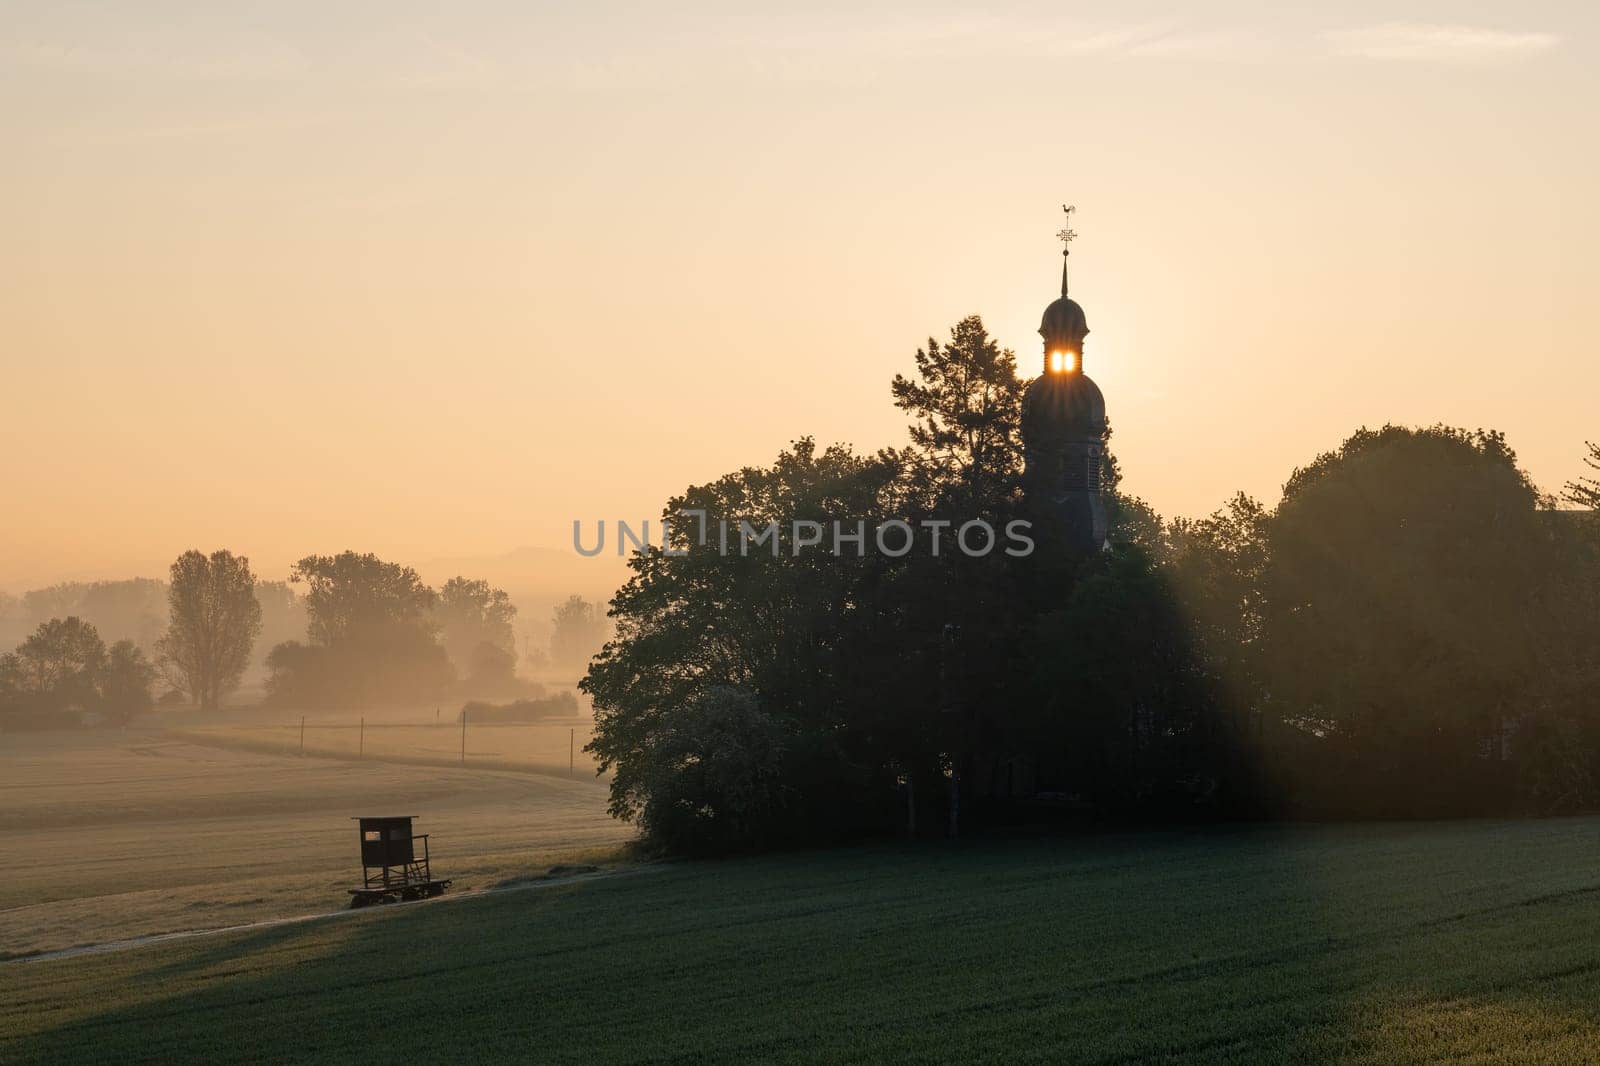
[(533, 574)]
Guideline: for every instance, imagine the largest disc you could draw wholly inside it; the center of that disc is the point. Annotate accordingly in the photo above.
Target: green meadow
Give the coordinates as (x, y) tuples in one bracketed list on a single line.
[(1379, 943)]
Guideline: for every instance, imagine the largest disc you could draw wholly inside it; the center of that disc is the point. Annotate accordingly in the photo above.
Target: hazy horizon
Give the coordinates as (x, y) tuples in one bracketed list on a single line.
[(433, 286)]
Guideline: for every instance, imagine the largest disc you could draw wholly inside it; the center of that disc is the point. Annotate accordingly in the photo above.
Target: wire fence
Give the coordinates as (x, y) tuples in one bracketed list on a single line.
[(555, 745)]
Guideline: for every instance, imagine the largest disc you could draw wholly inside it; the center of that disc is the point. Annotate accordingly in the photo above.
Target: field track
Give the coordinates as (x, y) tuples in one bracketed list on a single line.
[(547, 881)]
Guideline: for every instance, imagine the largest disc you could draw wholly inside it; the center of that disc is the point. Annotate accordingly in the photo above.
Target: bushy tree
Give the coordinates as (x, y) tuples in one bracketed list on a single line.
[(359, 597), (1400, 575), (58, 668), (125, 684), (371, 636), (300, 675), (65, 666), (712, 778), (471, 614), (790, 630), (214, 621), (578, 629), (492, 666)]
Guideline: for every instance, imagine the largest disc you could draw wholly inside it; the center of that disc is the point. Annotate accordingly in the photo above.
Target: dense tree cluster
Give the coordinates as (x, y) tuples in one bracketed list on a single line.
[(578, 629), (376, 633), (475, 628), (1411, 631), (64, 668), (370, 636)]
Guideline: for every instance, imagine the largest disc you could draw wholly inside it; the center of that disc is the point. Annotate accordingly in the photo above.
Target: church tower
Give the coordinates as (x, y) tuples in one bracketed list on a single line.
[(1063, 432)]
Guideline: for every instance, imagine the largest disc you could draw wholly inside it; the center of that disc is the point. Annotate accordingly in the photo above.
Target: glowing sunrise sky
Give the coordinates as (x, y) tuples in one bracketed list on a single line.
[(434, 280)]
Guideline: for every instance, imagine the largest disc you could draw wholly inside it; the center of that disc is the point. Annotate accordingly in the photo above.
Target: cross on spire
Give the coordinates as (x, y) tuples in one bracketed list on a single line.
[(1066, 237)]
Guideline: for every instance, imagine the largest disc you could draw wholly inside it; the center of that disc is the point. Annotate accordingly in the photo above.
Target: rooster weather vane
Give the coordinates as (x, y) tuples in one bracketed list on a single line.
[(1069, 233), (1066, 236)]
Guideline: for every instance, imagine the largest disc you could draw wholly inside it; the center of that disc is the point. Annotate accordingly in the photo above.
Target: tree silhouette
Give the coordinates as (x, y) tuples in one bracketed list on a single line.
[(1398, 589), (213, 623), (471, 614), (57, 668), (1585, 492), (966, 405)]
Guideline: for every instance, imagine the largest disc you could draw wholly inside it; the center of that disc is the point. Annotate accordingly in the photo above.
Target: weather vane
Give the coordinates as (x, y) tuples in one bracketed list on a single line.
[(1069, 233)]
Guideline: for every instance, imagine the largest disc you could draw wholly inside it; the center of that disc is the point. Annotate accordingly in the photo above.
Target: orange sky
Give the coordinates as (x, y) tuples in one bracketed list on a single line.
[(434, 282)]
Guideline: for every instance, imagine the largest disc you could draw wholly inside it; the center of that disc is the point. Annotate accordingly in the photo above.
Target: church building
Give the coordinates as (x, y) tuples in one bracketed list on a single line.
[(1063, 434)]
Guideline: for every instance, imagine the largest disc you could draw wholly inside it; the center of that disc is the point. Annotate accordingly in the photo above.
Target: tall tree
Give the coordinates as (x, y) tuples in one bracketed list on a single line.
[(214, 621), (966, 408), (579, 628), (359, 597), (954, 618), (470, 613)]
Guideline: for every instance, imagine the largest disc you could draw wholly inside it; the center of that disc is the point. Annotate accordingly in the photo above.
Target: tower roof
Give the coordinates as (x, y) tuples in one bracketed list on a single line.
[(1062, 407), (1064, 326)]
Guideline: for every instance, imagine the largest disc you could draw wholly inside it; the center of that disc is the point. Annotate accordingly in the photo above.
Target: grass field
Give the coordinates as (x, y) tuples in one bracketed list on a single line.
[(106, 835), (1439, 943)]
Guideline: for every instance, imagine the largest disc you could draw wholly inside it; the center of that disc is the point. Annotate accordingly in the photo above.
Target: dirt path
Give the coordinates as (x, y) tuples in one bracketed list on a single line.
[(300, 919)]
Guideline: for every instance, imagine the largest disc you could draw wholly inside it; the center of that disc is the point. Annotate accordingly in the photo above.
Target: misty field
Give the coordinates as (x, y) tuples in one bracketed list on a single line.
[(108, 835), (1424, 943), (418, 735)]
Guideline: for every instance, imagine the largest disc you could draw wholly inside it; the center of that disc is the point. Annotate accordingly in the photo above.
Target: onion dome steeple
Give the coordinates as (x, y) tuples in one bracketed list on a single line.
[(1063, 430), (1064, 326)]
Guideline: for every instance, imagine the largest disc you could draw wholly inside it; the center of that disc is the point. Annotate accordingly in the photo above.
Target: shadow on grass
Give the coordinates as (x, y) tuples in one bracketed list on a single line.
[(1317, 944)]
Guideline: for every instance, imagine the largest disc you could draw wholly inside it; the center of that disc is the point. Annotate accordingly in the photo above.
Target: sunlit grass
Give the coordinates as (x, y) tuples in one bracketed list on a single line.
[(1376, 943)]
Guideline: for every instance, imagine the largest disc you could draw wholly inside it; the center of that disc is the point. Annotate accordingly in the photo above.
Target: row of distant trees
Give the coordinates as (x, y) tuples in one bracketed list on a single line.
[(373, 631), (65, 666), (137, 609), (1413, 630), (376, 633)]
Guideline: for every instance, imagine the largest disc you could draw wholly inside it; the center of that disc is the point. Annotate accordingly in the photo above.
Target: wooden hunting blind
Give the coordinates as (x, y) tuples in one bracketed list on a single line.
[(391, 868)]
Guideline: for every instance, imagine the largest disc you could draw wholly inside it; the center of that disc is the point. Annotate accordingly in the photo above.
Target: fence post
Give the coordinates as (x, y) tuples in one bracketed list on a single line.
[(302, 734), (361, 739), (463, 735), (572, 743)]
